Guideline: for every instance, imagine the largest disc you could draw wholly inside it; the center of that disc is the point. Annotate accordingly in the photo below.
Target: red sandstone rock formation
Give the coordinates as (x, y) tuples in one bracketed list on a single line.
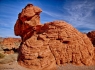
[(10, 44), (94, 57), (91, 35), (33, 54), (28, 18), (44, 46)]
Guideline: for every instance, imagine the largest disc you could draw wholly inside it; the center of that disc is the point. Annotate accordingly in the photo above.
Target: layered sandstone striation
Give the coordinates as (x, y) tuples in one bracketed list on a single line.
[(33, 52), (53, 43)]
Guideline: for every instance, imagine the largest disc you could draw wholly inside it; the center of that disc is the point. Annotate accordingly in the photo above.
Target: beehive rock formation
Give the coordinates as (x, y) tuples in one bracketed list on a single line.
[(53, 43)]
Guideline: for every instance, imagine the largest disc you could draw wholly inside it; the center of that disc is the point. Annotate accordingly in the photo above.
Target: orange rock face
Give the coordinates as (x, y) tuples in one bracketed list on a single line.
[(54, 43), (91, 35), (28, 18)]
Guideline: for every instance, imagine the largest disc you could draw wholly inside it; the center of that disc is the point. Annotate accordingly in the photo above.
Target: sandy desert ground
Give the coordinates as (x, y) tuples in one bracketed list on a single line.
[(9, 62), (15, 66)]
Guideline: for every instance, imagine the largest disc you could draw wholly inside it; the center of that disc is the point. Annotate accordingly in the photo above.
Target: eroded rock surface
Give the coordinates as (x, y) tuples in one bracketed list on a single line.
[(53, 43), (33, 53), (28, 18), (91, 35)]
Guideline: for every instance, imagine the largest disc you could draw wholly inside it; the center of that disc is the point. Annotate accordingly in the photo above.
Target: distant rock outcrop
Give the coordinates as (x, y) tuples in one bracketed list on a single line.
[(9, 45), (44, 46), (91, 35)]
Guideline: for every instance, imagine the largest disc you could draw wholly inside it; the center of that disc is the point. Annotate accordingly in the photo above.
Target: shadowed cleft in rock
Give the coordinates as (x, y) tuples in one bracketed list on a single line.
[(54, 43)]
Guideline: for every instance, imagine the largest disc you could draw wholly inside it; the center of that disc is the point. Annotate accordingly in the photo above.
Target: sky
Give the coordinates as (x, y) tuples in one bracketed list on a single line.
[(78, 13)]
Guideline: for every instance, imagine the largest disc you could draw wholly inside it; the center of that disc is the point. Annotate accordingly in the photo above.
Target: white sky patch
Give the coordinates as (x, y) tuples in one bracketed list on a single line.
[(52, 14), (80, 13)]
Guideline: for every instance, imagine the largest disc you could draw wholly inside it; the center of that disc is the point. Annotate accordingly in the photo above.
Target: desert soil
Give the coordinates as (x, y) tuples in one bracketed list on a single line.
[(16, 66)]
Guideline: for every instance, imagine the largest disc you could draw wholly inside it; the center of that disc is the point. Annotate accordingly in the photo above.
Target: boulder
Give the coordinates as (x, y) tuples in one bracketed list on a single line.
[(54, 43)]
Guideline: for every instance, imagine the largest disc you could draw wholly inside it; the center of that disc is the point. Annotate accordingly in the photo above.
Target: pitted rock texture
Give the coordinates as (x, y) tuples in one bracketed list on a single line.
[(67, 44), (53, 43)]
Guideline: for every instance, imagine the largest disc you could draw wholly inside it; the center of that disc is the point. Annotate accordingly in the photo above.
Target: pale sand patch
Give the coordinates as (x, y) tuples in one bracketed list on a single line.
[(12, 66), (16, 66), (75, 67)]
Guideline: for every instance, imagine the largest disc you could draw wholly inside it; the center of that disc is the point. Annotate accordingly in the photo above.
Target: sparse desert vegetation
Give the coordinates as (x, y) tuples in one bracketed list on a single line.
[(9, 49), (7, 58), (2, 56)]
